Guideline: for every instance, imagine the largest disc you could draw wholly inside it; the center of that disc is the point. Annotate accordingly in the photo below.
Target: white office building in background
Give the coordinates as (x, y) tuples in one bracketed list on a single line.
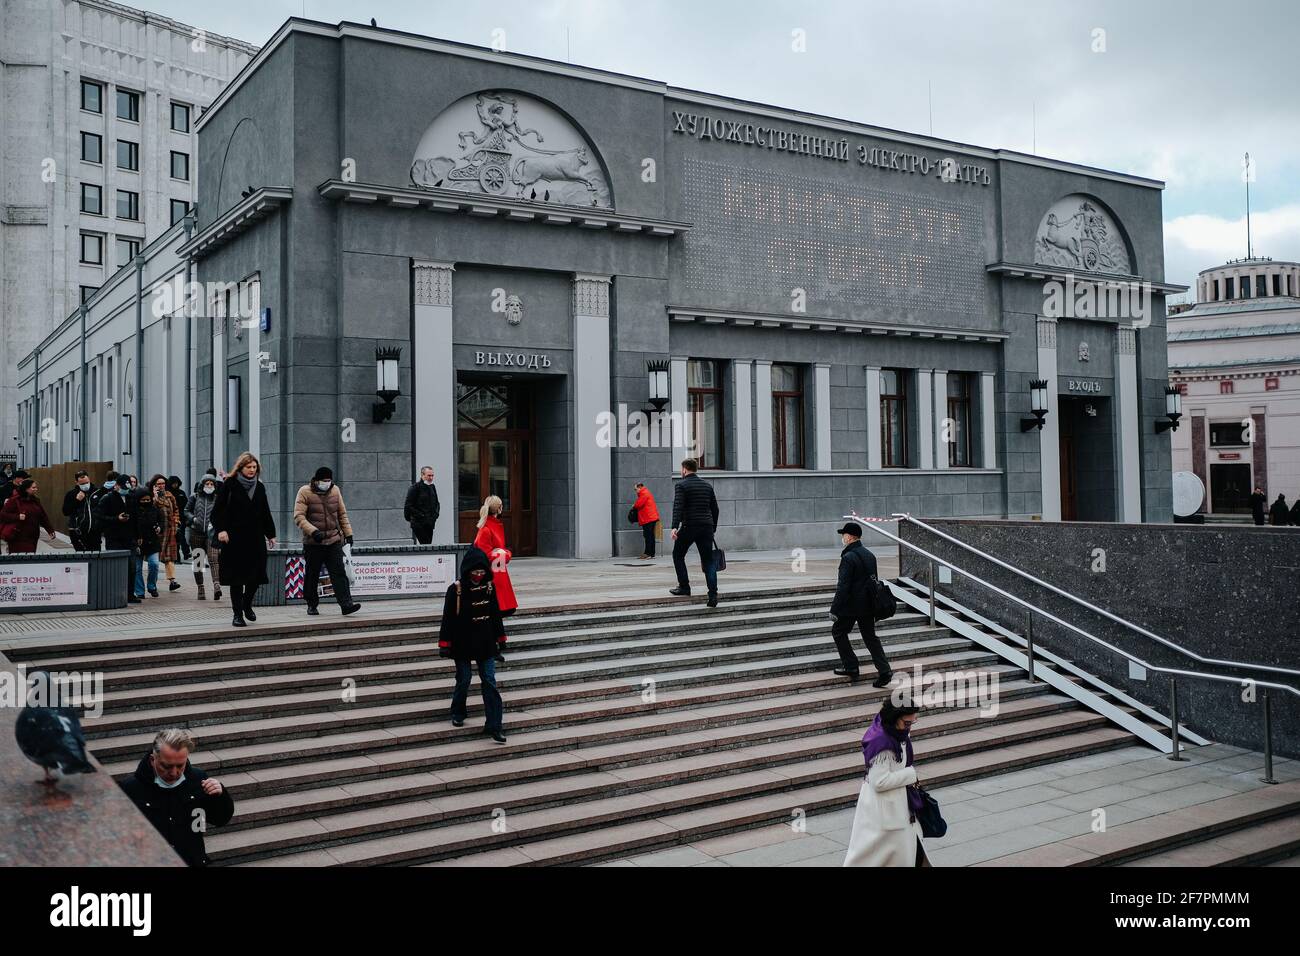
[(1235, 356), (98, 103)]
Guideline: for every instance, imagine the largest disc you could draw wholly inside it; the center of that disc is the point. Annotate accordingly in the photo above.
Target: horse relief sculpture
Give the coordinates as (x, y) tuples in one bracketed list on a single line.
[(552, 163), (1077, 234)]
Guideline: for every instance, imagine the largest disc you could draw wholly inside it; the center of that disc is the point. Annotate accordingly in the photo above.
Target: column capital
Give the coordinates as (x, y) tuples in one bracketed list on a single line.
[(591, 295), (1046, 333), (1125, 340), (433, 282)]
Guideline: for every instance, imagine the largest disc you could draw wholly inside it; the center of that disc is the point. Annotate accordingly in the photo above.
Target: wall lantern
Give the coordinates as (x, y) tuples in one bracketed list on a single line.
[(386, 369), (1037, 405), (1173, 410), (657, 371)]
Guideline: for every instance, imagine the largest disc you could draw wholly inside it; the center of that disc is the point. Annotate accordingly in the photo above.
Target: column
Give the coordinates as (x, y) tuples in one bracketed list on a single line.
[(1049, 436), (253, 322), (942, 435), (763, 414), (433, 388), (217, 312), (1127, 421), (822, 415), (873, 417), (925, 417), (683, 426), (988, 421), (742, 371), (593, 461)]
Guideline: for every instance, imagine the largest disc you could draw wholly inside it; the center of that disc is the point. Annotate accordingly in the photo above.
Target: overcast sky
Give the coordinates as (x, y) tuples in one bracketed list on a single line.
[(1181, 90)]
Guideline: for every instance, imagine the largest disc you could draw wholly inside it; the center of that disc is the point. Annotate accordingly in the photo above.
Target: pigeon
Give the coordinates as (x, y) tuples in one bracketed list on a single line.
[(51, 737)]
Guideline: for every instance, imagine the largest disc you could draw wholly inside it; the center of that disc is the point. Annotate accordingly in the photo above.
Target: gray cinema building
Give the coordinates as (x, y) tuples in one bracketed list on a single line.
[(850, 317)]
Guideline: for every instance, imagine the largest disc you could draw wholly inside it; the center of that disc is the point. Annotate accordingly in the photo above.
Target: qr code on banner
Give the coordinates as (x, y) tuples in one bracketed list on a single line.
[(394, 582), (8, 594)]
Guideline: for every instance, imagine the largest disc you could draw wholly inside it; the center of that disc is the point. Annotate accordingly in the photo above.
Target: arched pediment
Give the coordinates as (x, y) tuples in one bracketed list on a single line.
[(1078, 232), (511, 146)]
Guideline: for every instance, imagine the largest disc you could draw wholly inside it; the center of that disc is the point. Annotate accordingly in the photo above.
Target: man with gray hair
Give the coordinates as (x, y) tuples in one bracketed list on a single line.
[(179, 799)]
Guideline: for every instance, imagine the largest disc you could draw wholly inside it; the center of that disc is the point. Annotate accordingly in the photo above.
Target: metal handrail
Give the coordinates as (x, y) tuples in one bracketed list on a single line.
[(1066, 624), (1092, 607)]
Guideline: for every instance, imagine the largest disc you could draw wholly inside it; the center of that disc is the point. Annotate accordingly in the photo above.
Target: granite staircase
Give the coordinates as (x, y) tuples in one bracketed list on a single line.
[(631, 727)]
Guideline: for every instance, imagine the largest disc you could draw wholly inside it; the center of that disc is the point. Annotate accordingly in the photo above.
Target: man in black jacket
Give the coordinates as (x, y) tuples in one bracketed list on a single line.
[(695, 519), (79, 509), (422, 508), (115, 514), (179, 799), (855, 602)]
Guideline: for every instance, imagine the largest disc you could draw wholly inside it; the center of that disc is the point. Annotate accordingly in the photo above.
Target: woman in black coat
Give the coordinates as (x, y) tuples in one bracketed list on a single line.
[(241, 518), (471, 632)]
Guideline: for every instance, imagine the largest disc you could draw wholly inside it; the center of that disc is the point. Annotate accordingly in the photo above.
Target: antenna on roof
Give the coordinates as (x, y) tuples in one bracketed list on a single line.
[(1246, 175)]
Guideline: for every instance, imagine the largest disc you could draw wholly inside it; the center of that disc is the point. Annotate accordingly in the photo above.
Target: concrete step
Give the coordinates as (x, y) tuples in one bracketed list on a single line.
[(666, 817), (1249, 846), (375, 706), (1214, 820), (517, 672)]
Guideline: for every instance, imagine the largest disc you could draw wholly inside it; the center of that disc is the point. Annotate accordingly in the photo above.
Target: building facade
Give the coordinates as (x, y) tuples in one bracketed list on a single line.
[(1235, 356), (560, 281), (98, 103)]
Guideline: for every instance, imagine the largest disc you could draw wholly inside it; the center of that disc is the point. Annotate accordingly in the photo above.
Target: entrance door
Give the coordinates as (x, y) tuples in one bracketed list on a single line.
[(1069, 480), (496, 447), (1230, 489)]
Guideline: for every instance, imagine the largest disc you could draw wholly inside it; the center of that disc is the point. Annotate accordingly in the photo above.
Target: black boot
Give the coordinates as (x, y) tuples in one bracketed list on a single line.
[(680, 592), (248, 607), (239, 619)]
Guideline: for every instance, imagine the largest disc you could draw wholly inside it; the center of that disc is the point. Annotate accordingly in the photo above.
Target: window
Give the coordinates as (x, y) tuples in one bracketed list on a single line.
[(1260, 285), (180, 165), (87, 291), (180, 118), (959, 413), (893, 418), (1231, 285), (94, 387), (1225, 387), (704, 395), (92, 249), (127, 249), (232, 404), (92, 148), (128, 106), (179, 208), (787, 416), (128, 155), (128, 205), (92, 97), (92, 199), (1227, 434), (108, 379)]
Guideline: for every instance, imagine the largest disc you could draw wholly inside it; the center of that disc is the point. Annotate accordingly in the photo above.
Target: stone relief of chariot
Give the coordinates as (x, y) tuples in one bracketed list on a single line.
[(553, 164), (1077, 234)]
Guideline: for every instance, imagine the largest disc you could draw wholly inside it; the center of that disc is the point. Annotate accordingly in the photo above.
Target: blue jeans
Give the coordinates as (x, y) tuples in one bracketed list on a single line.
[(487, 678), (138, 562)]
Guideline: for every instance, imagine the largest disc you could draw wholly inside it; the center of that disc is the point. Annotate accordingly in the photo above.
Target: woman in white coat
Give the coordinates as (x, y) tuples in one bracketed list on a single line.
[(885, 829)]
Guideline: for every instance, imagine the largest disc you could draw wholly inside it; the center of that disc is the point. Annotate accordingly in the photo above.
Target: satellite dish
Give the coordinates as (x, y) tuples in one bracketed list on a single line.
[(1189, 492)]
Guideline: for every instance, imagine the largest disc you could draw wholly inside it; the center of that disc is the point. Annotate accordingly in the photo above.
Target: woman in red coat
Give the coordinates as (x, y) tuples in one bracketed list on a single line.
[(647, 516), (22, 518), (491, 540)]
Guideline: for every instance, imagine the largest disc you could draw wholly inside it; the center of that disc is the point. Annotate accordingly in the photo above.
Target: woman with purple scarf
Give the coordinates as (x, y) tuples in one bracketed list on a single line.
[(885, 828)]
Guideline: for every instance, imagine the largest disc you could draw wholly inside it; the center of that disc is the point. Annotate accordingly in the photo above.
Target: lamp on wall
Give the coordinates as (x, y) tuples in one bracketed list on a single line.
[(657, 373), (1173, 410), (1037, 405), (386, 360)]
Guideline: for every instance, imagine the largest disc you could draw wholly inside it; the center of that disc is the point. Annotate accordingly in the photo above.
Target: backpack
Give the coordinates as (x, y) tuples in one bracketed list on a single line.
[(883, 603)]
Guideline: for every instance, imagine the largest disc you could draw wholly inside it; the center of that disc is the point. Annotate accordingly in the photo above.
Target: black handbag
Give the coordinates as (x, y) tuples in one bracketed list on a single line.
[(883, 603), (719, 559), (631, 515), (932, 822)]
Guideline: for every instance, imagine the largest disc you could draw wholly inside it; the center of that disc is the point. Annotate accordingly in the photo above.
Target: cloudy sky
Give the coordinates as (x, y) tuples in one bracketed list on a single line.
[(1173, 89)]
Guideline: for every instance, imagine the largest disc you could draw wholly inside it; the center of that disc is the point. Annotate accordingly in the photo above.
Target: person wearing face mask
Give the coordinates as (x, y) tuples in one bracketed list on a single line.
[(174, 795), (149, 523), (885, 829), (79, 509), (321, 516), (245, 529), (470, 633), (422, 508), (23, 517), (171, 522), (854, 603), (203, 541), (117, 519)]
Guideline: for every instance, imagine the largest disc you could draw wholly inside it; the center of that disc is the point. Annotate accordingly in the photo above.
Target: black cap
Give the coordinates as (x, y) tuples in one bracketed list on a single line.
[(851, 527), (323, 474)]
